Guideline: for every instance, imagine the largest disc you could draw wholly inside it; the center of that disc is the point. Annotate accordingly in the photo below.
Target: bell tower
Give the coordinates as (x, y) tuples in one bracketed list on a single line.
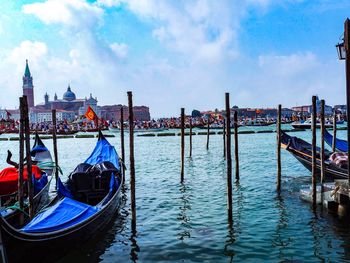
[(28, 88)]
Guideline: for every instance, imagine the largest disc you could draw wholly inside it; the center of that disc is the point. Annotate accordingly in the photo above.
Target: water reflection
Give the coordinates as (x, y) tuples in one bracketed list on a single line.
[(234, 227), (182, 216), (281, 225), (134, 247)]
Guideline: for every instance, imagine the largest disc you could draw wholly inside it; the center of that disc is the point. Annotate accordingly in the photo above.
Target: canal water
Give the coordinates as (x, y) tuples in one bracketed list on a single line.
[(188, 222)]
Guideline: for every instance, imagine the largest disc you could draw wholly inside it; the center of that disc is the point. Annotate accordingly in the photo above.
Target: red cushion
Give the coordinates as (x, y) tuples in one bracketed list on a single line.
[(9, 178)]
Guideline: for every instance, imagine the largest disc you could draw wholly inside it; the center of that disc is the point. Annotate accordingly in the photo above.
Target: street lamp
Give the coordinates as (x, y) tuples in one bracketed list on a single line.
[(344, 54), (341, 51)]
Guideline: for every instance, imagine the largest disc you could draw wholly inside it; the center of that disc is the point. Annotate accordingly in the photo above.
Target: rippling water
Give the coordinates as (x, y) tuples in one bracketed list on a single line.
[(188, 222)]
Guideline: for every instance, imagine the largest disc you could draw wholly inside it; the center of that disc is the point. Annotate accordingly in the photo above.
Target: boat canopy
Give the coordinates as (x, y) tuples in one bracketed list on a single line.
[(65, 213), (340, 145), (103, 151)]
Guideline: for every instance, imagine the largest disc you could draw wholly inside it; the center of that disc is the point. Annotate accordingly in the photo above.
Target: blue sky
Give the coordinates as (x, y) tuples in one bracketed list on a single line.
[(173, 54)]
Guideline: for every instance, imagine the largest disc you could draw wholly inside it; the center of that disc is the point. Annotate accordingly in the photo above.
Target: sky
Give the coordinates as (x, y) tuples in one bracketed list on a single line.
[(175, 53)]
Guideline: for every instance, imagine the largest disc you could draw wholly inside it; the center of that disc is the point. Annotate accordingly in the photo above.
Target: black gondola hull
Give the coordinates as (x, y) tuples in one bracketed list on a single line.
[(331, 172), (50, 247)]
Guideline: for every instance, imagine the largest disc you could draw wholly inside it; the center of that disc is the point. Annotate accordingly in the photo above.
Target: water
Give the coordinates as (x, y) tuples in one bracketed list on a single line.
[(188, 222)]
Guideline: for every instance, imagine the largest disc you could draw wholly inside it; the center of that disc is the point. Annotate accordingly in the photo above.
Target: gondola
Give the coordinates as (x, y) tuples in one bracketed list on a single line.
[(340, 145), (302, 151), (42, 169), (84, 205)]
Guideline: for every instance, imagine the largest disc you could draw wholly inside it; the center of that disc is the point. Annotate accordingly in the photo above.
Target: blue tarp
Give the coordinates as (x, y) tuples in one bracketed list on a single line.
[(103, 151), (340, 145), (40, 183), (67, 212), (62, 191)]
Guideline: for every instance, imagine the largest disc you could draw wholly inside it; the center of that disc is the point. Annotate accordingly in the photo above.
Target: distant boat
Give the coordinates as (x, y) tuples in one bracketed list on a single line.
[(259, 122), (116, 129), (307, 124)]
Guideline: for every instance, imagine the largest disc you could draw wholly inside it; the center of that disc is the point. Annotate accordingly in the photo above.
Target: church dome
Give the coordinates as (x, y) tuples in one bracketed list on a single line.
[(69, 95)]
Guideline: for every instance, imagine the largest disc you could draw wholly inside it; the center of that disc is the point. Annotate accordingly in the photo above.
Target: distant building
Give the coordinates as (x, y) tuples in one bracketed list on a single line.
[(112, 112), (307, 109), (28, 88), (46, 115), (69, 107)]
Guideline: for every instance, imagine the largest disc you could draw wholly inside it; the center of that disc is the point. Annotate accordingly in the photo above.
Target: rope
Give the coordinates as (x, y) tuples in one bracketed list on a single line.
[(47, 165), (16, 207)]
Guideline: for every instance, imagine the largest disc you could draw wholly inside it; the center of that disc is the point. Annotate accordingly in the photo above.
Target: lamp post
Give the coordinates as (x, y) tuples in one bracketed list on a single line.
[(343, 50)]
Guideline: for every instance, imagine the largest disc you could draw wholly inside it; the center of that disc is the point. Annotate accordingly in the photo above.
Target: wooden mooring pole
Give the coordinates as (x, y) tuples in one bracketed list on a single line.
[(334, 130), (54, 139), (224, 137), (278, 131), (182, 143), (122, 141), (208, 133), (28, 157), (322, 147), (191, 136), (235, 126), (228, 158), (314, 167), (132, 163), (21, 159)]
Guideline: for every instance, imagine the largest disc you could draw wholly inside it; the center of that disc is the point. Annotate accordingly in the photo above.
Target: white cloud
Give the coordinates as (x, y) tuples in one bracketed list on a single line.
[(28, 50), (75, 13), (119, 49)]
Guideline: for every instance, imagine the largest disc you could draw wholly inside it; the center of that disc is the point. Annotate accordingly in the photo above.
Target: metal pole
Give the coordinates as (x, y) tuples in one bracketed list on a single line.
[(28, 157), (182, 143), (278, 129), (54, 139), (132, 163), (347, 72), (235, 125), (228, 158), (122, 140), (322, 147), (314, 167), (334, 130)]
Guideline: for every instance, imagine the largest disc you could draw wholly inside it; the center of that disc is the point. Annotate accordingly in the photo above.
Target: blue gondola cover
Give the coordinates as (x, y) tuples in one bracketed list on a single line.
[(103, 151), (39, 184), (340, 145), (67, 212)]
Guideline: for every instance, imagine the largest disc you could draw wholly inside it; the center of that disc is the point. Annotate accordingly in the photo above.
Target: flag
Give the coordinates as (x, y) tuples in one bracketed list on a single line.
[(90, 114)]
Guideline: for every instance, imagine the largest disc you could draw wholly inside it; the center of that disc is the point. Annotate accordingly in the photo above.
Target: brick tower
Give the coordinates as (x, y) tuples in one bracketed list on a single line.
[(28, 88)]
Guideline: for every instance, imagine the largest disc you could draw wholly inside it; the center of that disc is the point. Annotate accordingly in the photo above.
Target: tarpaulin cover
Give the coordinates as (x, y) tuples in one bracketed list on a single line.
[(67, 212), (40, 183), (9, 178), (340, 145), (103, 151), (62, 191)]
